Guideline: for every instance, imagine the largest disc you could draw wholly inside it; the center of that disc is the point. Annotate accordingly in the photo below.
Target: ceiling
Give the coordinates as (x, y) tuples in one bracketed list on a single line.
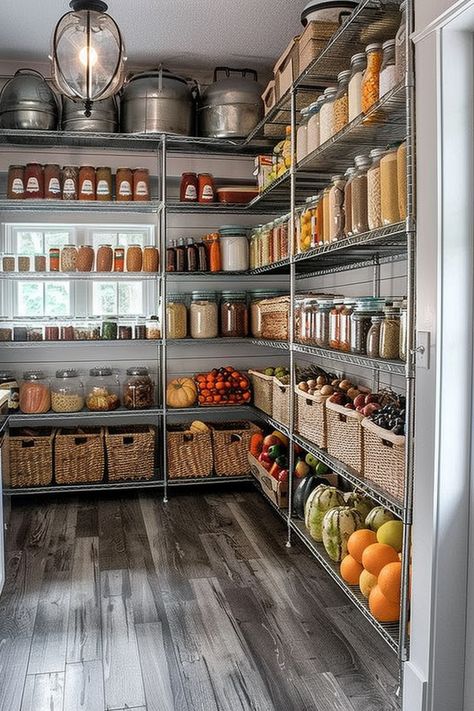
[(179, 33)]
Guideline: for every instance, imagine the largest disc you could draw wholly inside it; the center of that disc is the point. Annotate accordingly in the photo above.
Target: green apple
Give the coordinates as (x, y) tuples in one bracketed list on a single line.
[(311, 460), (321, 469), (391, 533)]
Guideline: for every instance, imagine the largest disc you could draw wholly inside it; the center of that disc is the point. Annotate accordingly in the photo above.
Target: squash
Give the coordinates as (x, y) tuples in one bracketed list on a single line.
[(377, 517), (181, 392), (198, 427), (303, 490), (319, 502), (35, 397), (256, 444), (338, 525), (358, 501)]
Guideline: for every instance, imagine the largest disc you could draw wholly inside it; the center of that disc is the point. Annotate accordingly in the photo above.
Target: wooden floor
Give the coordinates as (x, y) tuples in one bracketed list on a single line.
[(125, 603)]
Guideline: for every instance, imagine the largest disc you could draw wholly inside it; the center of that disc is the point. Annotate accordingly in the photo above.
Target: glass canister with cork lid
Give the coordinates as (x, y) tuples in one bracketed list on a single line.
[(35, 393), (374, 214), (138, 389), (102, 390)]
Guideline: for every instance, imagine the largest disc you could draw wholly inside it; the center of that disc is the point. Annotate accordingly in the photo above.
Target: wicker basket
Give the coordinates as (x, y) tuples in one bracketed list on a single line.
[(281, 402), (310, 418), (130, 452), (79, 455), (345, 441), (269, 96), (286, 70), (231, 443), (31, 457), (275, 313), (312, 42), (189, 453), (384, 459), (262, 386)]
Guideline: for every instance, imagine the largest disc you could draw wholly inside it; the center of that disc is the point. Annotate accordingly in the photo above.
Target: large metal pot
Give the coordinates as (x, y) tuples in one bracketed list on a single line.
[(230, 107), (157, 101), (103, 118), (27, 102)]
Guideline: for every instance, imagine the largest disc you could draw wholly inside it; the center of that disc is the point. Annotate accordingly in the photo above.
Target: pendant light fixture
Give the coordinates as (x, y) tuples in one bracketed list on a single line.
[(87, 53)]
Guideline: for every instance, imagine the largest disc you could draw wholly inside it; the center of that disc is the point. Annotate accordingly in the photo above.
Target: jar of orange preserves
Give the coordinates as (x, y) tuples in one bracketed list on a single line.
[(103, 183), (87, 183), (123, 184), (370, 81), (134, 258), (141, 184)]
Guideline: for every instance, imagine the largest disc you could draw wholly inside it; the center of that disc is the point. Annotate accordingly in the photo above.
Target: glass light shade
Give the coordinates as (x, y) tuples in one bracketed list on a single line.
[(88, 53)]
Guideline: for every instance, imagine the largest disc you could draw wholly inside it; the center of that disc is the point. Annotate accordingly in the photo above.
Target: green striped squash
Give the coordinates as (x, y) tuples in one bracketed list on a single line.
[(360, 502), (338, 525), (377, 517), (318, 503)]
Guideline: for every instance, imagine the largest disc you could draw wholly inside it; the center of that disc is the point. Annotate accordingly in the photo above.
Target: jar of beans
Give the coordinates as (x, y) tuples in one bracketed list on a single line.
[(365, 308), (203, 315), (234, 314), (389, 345), (67, 391)]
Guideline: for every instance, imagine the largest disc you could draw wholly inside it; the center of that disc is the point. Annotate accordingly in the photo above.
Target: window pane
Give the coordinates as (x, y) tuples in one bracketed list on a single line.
[(57, 299), (56, 239), (99, 238), (126, 238), (130, 295), (104, 298), (29, 242), (30, 298)]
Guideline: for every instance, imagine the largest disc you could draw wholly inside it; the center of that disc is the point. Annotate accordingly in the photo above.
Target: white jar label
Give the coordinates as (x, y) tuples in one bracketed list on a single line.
[(207, 192), (103, 188), (69, 188), (141, 188), (17, 186), (87, 187), (32, 185), (54, 186), (125, 188), (190, 193)]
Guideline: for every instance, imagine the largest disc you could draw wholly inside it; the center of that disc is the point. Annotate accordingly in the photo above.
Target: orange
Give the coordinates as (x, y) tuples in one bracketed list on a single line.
[(390, 580), (382, 609), (367, 581), (358, 542), (377, 555), (350, 570)]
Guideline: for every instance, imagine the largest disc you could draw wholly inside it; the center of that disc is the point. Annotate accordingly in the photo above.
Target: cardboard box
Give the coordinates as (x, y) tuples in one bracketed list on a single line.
[(276, 491), (269, 96), (286, 70)]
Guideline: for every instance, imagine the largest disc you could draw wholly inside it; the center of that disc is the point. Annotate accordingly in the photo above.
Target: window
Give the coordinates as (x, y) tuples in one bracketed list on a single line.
[(40, 242), (125, 298), (43, 298), (121, 238)]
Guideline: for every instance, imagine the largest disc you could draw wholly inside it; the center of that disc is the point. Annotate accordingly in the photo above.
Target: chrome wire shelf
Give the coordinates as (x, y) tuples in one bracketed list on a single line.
[(280, 267), (152, 206), (212, 479), (265, 343), (209, 341), (176, 207), (127, 342), (154, 483), (273, 423), (43, 419), (202, 410), (378, 364), (82, 276)]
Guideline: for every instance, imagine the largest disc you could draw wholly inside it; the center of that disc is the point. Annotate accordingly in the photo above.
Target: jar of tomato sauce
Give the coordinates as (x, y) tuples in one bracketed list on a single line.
[(206, 188), (141, 184), (188, 191), (70, 178), (103, 188), (123, 185), (16, 182), (87, 183), (34, 181), (52, 181)]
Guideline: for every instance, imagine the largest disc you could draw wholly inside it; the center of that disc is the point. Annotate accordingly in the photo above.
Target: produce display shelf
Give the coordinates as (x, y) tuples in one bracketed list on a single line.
[(212, 479), (100, 486), (67, 206), (82, 276), (127, 342), (176, 207), (84, 415), (266, 343), (393, 367), (389, 632)]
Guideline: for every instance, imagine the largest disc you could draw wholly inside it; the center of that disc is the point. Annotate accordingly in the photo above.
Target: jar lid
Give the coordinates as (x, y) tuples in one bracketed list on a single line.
[(377, 317), (388, 43), (6, 374), (176, 297), (70, 167), (344, 75), (350, 300), (137, 370), (102, 371), (374, 47), (361, 161), (237, 230), (33, 375), (51, 165), (338, 300), (330, 92), (325, 303), (358, 57), (233, 295), (376, 152), (350, 171), (337, 177), (67, 373), (203, 295), (369, 303)]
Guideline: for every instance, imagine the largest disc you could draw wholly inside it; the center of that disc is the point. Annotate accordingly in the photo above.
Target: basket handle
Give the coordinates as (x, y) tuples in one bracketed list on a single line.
[(27, 443), (386, 443), (128, 440), (80, 440), (234, 438), (342, 418)]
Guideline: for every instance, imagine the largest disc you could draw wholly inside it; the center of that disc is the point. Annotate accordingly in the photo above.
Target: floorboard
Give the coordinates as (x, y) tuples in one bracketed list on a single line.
[(84, 687), (83, 635), (44, 692)]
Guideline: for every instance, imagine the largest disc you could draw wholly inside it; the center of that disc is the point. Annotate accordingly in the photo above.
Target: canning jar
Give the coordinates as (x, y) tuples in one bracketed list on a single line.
[(348, 175), (125, 331), (102, 390), (234, 244), (326, 216), (68, 259), (105, 258), (188, 189), (123, 184), (20, 333), (103, 189), (52, 181), (54, 254), (215, 260), (403, 330), (35, 393), (321, 333), (354, 89), (276, 239), (284, 236), (9, 382), (373, 337), (34, 181), (16, 182), (87, 182), (67, 391), (389, 345), (151, 259), (313, 134), (253, 250), (302, 135), (138, 389), (40, 263), (152, 328), (109, 329), (374, 214), (389, 188), (34, 333), (85, 258), (134, 258), (307, 226), (70, 179), (345, 318), (139, 329), (234, 314), (206, 188), (203, 315), (402, 180), (335, 323), (341, 102), (359, 195), (388, 78), (266, 244), (141, 184), (119, 259), (305, 319), (8, 263), (326, 115), (51, 333), (370, 81), (23, 263), (336, 208), (400, 46), (365, 308), (176, 316)]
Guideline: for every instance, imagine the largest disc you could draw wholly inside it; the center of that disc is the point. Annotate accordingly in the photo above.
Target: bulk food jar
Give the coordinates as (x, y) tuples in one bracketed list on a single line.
[(364, 309), (400, 45), (388, 78), (67, 391), (305, 323), (335, 323), (234, 248), (374, 214), (203, 315), (358, 66), (176, 316), (234, 314), (403, 330), (302, 135), (336, 209), (348, 175), (390, 213), (389, 345), (341, 102), (370, 81), (373, 337), (35, 393), (307, 226), (102, 390), (138, 389), (326, 115), (345, 318), (359, 195), (321, 335), (313, 138)]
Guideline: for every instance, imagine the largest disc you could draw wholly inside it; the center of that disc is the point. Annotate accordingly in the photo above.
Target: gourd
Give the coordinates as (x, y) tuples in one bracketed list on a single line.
[(35, 397), (181, 392), (338, 525), (256, 443), (377, 517), (303, 490), (319, 502), (360, 502), (198, 427)]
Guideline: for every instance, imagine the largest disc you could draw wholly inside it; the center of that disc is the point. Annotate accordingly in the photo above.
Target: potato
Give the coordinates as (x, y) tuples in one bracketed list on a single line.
[(321, 380), (335, 383), (327, 390), (353, 392), (345, 385), (303, 386), (311, 384)]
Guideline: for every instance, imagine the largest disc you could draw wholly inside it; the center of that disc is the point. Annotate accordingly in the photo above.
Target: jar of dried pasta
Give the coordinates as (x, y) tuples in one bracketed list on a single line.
[(176, 316), (341, 102), (67, 391), (370, 82)]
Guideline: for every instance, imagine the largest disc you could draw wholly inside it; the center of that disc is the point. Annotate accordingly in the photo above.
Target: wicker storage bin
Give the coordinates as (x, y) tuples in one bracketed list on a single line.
[(262, 386), (312, 42), (130, 452), (31, 457), (269, 96), (310, 418), (281, 402), (189, 453), (286, 70), (79, 455), (384, 459), (345, 440), (275, 313), (231, 442)]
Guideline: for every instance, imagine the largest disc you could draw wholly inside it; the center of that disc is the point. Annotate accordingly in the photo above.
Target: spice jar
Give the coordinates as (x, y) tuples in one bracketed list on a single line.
[(103, 190), (348, 175), (109, 330), (180, 252), (40, 263), (191, 256), (86, 182), (402, 180), (102, 390), (389, 345), (8, 263), (70, 181), (365, 308), (400, 46), (134, 258), (152, 329), (403, 330), (234, 248), (313, 138), (151, 259), (389, 188), (358, 67), (34, 181), (326, 115), (67, 391), (374, 213), (138, 389), (321, 321), (203, 315), (35, 394), (141, 184), (123, 185), (206, 188), (188, 189), (85, 258), (51, 333), (335, 323), (9, 382), (388, 78), (20, 333), (359, 195), (125, 332), (234, 314), (105, 258), (68, 261), (302, 135), (370, 82), (336, 209), (52, 181), (176, 316), (345, 318), (341, 102), (373, 337), (23, 263), (54, 253), (16, 182), (67, 333), (119, 259)]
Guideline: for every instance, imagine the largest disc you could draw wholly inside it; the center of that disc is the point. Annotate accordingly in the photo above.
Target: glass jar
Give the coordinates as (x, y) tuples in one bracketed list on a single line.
[(67, 391), (54, 255), (123, 185), (266, 244), (139, 329), (358, 67), (400, 46), (215, 261), (125, 332), (103, 179), (253, 251), (191, 256), (345, 318), (8, 382), (234, 314), (336, 208), (34, 181), (35, 393), (314, 124), (105, 258), (388, 77), (370, 82), (389, 188), (40, 263), (52, 181), (188, 189), (284, 237), (364, 309), (102, 390), (304, 225), (68, 259), (16, 182), (8, 263), (206, 188), (109, 330), (305, 319), (138, 389), (341, 102), (326, 115), (359, 195), (326, 216), (51, 332), (151, 259), (389, 345), (402, 180), (203, 315), (176, 316), (87, 182), (70, 180), (234, 248), (374, 215), (403, 330), (134, 258), (85, 258), (321, 333), (348, 175), (34, 333), (276, 240), (152, 329), (23, 263), (119, 259), (335, 324), (302, 135), (141, 184), (6, 332), (373, 337)]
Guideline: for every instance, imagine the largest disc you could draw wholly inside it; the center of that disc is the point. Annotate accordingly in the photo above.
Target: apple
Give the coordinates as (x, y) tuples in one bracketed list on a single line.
[(359, 401), (283, 476), (301, 469), (371, 398), (275, 451), (297, 449), (269, 441), (264, 458), (311, 460), (349, 406), (275, 469), (370, 409)]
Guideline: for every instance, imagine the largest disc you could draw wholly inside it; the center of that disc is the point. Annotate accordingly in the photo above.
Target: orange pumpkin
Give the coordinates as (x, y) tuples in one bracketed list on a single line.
[(181, 392), (35, 397)]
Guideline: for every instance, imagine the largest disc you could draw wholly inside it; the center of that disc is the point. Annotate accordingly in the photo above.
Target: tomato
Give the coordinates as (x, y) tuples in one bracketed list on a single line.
[(283, 475), (201, 399), (229, 369), (217, 398), (246, 396), (243, 384), (209, 398), (220, 385), (205, 392)]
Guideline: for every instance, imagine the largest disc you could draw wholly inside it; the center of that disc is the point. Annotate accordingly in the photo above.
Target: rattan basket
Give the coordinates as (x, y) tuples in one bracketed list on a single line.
[(189, 453), (384, 459), (31, 457), (231, 442), (262, 386), (312, 42), (274, 313), (310, 417), (281, 402), (345, 440), (130, 452), (79, 455)]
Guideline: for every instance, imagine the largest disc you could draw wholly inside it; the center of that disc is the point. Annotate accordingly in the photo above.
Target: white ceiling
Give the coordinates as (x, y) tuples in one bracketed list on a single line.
[(179, 33)]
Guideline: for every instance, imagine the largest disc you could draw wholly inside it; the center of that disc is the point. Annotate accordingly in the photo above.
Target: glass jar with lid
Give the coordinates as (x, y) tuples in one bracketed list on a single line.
[(374, 215), (364, 309), (276, 239), (326, 215), (35, 393), (348, 175), (341, 102), (256, 297), (326, 115), (266, 244), (138, 389), (345, 318), (234, 248), (389, 188), (176, 316), (234, 314), (373, 337), (336, 208), (403, 330), (370, 81), (152, 328), (389, 345), (102, 390), (284, 236), (321, 335), (354, 89), (203, 315), (306, 326), (402, 180), (67, 391), (253, 250), (335, 323), (302, 135), (8, 383), (400, 45), (388, 77), (306, 224), (359, 195), (313, 130)]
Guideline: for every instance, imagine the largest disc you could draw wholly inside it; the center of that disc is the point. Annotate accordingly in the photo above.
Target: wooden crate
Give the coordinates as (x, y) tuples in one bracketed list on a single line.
[(277, 491)]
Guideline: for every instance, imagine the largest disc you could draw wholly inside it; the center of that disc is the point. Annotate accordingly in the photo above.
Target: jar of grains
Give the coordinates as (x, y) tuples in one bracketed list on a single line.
[(23, 263), (321, 335), (345, 318), (341, 103), (358, 66), (359, 195), (152, 329), (103, 390), (400, 45), (326, 115), (234, 314), (8, 263), (68, 260), (40, 262), (67, 391), (370, 82), (151, 259), (138, 389), (253, 250), (105, 258), (234, 248), (314, 124), (70, 181), (302, 135), (389, 345), (335, 323), (176, 316), (402, 180), (373, 337), (365, 308), (266, 244), (348, 175), (389, 188), (374, 215), (336, 208), (35, 393), (203, 315), (276, 239), (388, 78), (403, 330)]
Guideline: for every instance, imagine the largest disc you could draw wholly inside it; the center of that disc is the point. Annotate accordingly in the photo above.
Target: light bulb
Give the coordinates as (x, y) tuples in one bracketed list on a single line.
[(92, 56)]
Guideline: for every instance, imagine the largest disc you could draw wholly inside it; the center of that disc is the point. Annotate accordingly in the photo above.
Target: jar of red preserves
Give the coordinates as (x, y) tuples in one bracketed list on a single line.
[(16, 182), (34, 181), (86, 182), (206, 188), (141, 184), (52, 181), (70, 177), (123, 184), (85, 258), (54, 253), (103, 180), (188, 191)]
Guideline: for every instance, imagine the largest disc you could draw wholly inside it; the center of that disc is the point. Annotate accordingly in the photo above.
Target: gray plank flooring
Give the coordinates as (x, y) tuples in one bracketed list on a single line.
[(123, 602)]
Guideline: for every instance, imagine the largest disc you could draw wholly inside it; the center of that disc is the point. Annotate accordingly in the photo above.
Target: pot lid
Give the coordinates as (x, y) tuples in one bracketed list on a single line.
[(315, 5), (28, 89), (241, 87)]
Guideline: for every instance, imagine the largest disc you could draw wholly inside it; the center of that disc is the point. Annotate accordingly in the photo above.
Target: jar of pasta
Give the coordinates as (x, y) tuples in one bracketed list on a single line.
[(374, 215), (336, 208), (389, 188), (370, 82), (203, 315), (176, 316), (341, 102), (67, 391), (326, 115)]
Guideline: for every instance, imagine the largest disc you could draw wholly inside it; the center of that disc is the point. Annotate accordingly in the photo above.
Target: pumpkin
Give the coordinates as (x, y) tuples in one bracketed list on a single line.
[(181, 392), (256, 444), (318, 503), (35, 397), (377, 517), (358, 501), (338, 525)]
